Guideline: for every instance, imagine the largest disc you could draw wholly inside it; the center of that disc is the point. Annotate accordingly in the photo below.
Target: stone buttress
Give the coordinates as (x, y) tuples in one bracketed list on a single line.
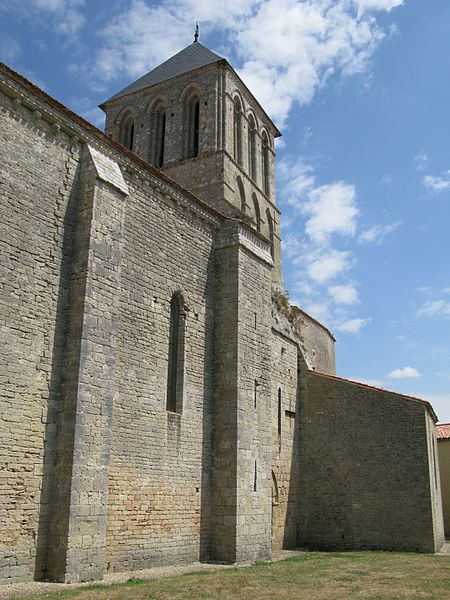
[(84, 426), (241, 475)]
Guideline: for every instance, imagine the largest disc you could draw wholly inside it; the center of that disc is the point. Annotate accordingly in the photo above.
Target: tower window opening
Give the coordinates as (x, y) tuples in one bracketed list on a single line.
[(242, 195), (237, 131), (193, 126), (252, 148), (279, 412), (159, 136), (126, 132), (255, 478), (257, 212), (271, 231), (175, 369), (265, 164)]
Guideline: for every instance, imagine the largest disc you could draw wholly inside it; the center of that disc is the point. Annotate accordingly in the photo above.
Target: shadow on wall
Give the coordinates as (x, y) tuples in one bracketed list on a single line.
[(60, 350), (291, 536), (207, 440)]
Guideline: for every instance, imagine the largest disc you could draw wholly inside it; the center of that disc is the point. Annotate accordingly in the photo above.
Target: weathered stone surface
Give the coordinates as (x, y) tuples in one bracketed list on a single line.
[(262, 452), (367, 469)]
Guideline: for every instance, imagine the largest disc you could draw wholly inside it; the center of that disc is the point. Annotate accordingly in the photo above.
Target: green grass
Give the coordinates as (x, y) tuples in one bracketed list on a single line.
[(312, 576)]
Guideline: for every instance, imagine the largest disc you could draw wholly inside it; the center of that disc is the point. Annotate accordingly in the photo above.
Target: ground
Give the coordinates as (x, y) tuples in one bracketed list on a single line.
[(305, 575)]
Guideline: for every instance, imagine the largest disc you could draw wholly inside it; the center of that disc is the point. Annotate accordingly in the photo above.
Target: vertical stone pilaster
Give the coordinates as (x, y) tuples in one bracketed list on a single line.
[(241, 481), (80, 488)]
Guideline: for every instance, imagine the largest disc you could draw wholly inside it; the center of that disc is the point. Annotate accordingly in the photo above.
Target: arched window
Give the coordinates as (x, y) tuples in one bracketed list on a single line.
[(252, 147), (257, 213), (241, 194), (192, 125), (175, 369), (270, 227), (126, 132), (265, 163), (158, 135), (237, 131)]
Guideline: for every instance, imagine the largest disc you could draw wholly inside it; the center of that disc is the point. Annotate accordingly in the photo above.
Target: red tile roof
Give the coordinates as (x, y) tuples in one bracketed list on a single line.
[(443, 431)]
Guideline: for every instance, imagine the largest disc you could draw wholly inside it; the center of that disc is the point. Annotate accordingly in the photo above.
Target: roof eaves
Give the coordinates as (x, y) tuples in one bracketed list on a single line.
[(104, 138), (190, 58), (379, 389), (133, 92)]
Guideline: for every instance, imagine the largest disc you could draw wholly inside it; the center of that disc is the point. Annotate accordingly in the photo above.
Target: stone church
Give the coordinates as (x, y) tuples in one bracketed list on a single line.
[(161, 400)]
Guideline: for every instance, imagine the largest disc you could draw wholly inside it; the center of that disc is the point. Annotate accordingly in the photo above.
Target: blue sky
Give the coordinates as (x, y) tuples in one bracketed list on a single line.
[(360, 89)]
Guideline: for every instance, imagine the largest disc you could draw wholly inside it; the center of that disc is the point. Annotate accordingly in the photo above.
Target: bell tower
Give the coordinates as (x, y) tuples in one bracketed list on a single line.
[(193, 118)]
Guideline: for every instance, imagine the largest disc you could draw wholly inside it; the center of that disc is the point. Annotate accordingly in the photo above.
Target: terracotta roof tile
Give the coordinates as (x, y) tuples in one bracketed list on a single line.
[(443, 431)]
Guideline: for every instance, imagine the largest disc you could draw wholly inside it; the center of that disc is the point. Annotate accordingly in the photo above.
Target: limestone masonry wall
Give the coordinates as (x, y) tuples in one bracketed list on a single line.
[(35, 236), (160, 462), (285, 441), (365, 469), (443, 447), (121, 291)]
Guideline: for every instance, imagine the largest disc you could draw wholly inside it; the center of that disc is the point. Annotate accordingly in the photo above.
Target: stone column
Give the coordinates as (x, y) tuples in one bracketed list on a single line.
[(80, 479), (241, 478)]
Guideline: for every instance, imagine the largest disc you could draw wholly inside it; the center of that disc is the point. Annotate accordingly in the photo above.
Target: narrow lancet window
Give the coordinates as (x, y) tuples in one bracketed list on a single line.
[(265, 164), (257, 212), (159, 136), (237, 125), (252, 148), (192, 124), (271, 231), (242, 195), (279, 412), (126, 133), (175, 371)]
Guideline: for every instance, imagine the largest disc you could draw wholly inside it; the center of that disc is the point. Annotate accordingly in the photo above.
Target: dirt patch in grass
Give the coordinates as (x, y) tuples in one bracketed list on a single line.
[(312, 576)]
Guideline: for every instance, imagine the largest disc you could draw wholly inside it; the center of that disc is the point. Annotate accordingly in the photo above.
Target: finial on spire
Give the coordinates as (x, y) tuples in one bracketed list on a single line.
[(197, 33)]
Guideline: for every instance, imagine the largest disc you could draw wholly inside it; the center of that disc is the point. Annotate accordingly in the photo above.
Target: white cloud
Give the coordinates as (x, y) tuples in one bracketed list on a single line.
[(284, 49), (328, 265), (434, 307), (352, 325), (376, 233), (367, 5), (421, 160), (63, 16), (292, 246), (309, 42), (404, 373), (304, 288), (333, 210), (83, 106), (344, 294), (297, 178), (318, 310), (437, 183)]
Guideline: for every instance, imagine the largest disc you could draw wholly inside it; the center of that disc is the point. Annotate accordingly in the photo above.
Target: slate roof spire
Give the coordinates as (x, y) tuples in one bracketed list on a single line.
[(197, 33), (192, 57)]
